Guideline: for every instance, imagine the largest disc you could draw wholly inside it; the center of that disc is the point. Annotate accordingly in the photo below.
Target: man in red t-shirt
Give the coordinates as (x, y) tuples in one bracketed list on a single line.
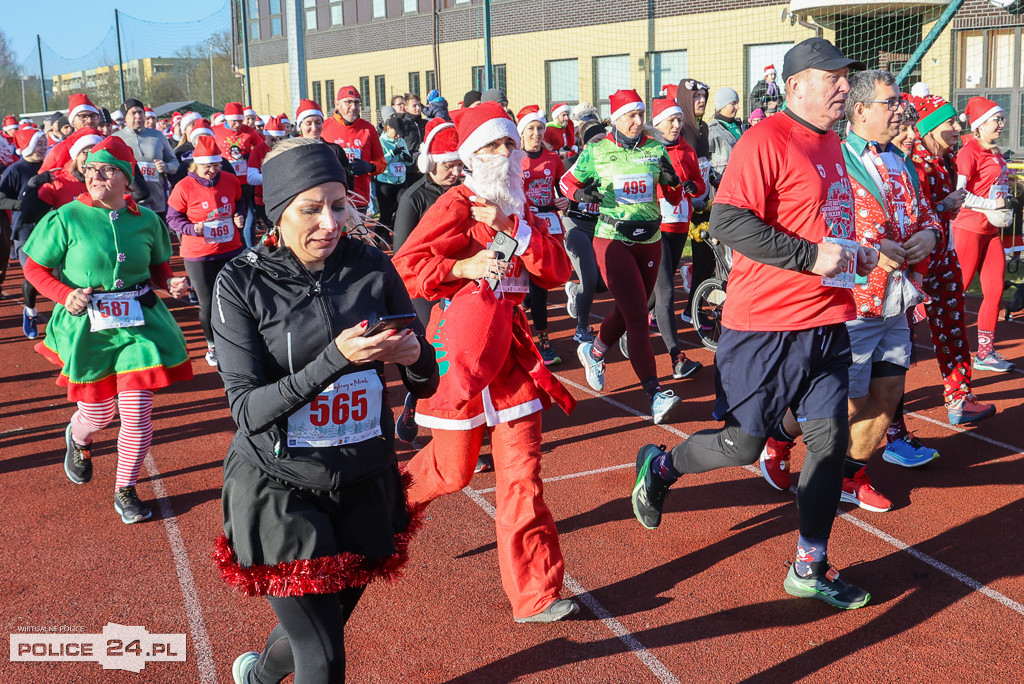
[(360, 141), (785, 207)]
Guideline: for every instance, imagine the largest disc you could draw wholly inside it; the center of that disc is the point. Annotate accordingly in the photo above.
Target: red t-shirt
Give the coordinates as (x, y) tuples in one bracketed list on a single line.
[(560, 137), (236, 147), (359, 139), (540, 178), (987, 177), (64, 187), (214, 207), (793, 179)]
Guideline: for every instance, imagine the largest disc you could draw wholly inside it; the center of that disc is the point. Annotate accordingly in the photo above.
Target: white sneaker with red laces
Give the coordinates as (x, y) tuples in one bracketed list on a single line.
[(858, 490), (775, 464)]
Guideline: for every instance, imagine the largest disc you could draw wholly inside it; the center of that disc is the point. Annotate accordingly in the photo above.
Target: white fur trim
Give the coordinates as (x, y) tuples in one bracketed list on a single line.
[(487, 132), (82, 108), (189, 118), (31, 144), (558, 110), (117, 115), (524, 232), (196, 132), (920, 90), (627, 108), (234, 117), (530, 118), (435, 423), (306, 113), (85, 141), (276, 134), (249, 111), (671, 111), (215, 159), (426, 161), (976, 124)]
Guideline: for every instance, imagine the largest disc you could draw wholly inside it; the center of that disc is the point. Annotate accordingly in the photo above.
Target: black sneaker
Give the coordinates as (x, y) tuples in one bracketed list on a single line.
[(650, 490), (127, 504), (824, 584), (77, 460), (684, 367), (406, 428)]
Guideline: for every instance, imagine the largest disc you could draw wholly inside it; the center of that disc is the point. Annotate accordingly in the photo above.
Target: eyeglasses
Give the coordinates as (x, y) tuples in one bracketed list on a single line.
[(101, 172), (892, 104), (691, 84), (999, 120)]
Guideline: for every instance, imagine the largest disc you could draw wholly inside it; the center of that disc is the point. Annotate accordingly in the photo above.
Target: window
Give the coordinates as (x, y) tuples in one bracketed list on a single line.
[(563, 81), (380, 90), (275, 18), (337, 14), (431, 82), (971, 60), (664, 68), (480, 83), (364, 92), (610, 74), (758, 57), (327, 104), (380, 9), (414, 82), (410, 6), (254, 19), (318, 94), (1000, 58), (310, 14)]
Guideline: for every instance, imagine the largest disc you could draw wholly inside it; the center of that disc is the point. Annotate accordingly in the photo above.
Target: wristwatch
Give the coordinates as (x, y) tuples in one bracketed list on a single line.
[(940, 207)]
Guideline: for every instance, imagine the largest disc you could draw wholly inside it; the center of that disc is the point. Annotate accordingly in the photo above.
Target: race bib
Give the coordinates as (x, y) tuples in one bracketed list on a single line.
[(346, 412), (550, 220), (634, 188), (396, 169), (109, 310), (240, 166), (353, 152), (218, 230), (148, 170), (589, 207), (999, 191), (517, 280), (674, 213), (848, 274)]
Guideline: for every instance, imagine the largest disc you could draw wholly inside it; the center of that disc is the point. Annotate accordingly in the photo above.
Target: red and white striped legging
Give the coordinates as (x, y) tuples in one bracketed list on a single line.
[(133, 438)]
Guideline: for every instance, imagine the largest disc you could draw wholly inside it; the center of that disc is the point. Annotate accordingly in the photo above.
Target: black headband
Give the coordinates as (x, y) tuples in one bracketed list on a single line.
[(292, 172)]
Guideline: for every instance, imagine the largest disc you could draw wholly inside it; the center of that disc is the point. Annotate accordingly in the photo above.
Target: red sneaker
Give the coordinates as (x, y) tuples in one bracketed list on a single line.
[(858, 490), (775, 464)]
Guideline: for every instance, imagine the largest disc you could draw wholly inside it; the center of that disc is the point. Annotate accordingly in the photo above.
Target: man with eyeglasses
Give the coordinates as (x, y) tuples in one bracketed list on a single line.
[(153, 155), (83, 114), (360, 141)]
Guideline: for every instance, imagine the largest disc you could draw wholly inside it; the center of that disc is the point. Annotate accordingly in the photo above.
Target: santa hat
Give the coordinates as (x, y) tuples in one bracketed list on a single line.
[(10, 123), (528, 115), (233, 111), (558, 109), (113, 151), (218, 118), (191, 117), (150, 114), (933, 110), (80, 103), (284, 119), (117, 115), (920, 90), (25, 139), (275, 128), (249, 111), (348, 92), (82, 138), (625, 101), (980, 110), (307, 108), (770, 69), (206, 151), (201, 127), (482, 125), (664, 108), (669, 90), (440, 145)]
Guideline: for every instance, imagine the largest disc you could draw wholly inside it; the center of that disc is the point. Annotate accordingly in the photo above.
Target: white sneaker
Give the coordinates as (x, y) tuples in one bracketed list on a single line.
[(570, 299), (593, 367), (211, 357)]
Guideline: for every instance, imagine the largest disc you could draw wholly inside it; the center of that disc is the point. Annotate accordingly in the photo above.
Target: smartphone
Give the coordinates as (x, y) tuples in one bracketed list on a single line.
[(505, 247), (390, 322)]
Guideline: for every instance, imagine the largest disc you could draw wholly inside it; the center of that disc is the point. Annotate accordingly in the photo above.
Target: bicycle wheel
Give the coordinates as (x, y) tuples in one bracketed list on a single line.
[(706, 311)]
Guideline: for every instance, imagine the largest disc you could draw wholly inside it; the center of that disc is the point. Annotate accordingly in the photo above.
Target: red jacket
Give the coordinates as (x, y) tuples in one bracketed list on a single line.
[(675, 218), (64, 187)]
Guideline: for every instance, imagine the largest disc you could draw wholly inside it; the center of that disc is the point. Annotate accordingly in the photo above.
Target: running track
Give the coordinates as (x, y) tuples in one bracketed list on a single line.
[(699, 600)]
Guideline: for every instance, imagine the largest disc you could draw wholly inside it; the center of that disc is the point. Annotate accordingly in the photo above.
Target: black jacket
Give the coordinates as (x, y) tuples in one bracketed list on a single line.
[(274, 325), (420, 196), (14, 179)]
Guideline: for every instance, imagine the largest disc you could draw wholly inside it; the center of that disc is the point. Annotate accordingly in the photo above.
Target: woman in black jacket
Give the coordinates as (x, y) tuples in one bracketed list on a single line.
[(314, 504)]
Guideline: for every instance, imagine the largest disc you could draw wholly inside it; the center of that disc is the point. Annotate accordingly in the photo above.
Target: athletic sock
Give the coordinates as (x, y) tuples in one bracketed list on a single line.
[(31, 312), (779, 434), (809, 551), (651, 386), (897, 429), (662, 467), (851, 467), (598, 350), (986, 340)]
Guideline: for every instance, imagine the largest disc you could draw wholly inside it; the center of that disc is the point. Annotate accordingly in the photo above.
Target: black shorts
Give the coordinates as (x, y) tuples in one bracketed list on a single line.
[(759, 375)]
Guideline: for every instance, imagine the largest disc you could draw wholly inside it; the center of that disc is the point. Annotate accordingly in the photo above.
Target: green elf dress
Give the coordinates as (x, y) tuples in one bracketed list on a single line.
[(89, 246)]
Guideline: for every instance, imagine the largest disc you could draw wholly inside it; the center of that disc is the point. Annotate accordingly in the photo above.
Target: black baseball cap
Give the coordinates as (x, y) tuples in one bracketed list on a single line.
[(816, 53)]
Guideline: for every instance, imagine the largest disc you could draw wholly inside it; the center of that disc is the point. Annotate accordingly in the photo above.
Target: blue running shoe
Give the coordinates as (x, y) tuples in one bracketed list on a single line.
[(993, 362), (584, 334), (908, 452), (967, 410), (29, 325), (593, 367), (242, 666), (664, 405)]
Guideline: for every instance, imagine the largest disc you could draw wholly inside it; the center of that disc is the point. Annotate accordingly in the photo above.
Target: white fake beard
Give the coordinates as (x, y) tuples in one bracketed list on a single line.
[(500, 180)]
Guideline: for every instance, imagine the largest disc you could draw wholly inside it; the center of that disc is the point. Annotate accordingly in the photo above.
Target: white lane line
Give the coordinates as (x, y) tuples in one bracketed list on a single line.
[(657, 668), (570, 476), (1015, 450), (193, 609)]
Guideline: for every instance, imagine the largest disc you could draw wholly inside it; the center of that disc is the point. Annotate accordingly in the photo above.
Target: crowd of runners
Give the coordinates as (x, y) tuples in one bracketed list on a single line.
[(319, 248)]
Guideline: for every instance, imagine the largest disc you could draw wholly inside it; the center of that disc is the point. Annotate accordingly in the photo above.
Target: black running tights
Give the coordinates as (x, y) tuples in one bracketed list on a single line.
[(203, 275), (672, 245)]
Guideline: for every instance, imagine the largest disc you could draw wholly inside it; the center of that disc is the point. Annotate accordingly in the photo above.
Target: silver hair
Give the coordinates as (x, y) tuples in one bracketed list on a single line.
[(863, 85)]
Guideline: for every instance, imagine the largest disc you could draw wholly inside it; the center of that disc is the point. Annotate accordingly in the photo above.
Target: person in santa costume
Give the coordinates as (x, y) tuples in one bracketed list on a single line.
[(448, 251), (252, 119), (560, 132), (150, 118), (31, 144), (309, 123), (273, 133), (83, 114), (9, 127), (360, 141), (237, 142), (988, 208)]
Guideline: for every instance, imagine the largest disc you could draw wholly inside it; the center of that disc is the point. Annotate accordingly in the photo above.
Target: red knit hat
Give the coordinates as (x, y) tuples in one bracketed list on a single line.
[(664, 108), (201, 127), (482, 125), (80, 103), (625, 101), (980, 110), (669, 90), (528, 115), (307, 108), (25, 139), (558, 109), (82, 138), (932, 110), (10, 123), (348, 92), (440, 144), (233, 111), (275, 128), (770, 69), (206, 151)]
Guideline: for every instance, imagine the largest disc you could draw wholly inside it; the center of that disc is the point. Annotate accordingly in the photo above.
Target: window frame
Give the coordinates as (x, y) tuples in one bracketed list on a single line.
[(605, 100), (551, 100), (382, 5)]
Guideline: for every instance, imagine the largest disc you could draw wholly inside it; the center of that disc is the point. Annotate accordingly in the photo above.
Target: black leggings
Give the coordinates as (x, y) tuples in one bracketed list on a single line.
[(387, 201), (672, 245), (309, 639), (703, 267), (821, 477), (538, 306), (27, 291), (579, 244), (202, 275)]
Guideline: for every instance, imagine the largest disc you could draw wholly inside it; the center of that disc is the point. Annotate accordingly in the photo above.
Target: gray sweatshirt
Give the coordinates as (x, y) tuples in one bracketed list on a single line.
[(150, 145)]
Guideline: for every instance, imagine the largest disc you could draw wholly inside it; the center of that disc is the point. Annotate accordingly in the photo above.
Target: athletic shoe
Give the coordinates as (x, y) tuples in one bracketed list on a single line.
[(547, 352), (824, 584), (858, 490), (649, 490), (584, 335), (242, 666), (775, 464), (29, 326), (624, 346), (966, 410), (406, 428), (684, 367), (211, 357), (484, 463), (77, 460), (593, 367), (570, 299), (664, 405), (558, 610), (192, 298), (128, 505), (993, 362), (908, 452), (652, 322), (685, 318)]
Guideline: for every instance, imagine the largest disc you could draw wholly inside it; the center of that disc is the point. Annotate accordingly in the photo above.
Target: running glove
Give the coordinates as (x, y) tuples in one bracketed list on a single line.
[(361, 167)]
